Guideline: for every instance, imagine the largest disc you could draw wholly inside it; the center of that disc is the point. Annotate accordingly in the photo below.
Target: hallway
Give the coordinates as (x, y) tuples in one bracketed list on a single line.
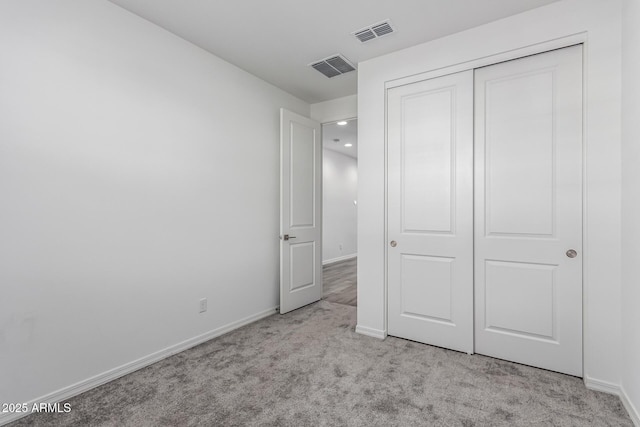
[(340, 282)]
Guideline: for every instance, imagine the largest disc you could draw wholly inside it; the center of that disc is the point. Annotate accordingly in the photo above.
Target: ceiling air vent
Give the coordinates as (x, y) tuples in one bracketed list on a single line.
[(365, 35), (374, 31), (333, 65)]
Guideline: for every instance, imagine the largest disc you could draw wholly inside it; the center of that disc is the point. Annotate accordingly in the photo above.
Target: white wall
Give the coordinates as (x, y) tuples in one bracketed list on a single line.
[(138, 174), (339, 222), (631, 206), (335, 109), (597, 22)]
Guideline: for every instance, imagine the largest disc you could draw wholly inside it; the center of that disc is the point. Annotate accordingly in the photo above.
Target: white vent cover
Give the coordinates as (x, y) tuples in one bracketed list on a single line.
[(333, 65), (374, 31)]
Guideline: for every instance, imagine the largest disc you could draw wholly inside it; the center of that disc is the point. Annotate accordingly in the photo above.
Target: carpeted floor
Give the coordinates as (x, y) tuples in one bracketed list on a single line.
[(309, 368)]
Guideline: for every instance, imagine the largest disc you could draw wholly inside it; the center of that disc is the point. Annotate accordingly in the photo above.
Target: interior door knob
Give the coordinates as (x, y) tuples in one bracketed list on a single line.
[(287, 237), (393, 243), (572, 253)]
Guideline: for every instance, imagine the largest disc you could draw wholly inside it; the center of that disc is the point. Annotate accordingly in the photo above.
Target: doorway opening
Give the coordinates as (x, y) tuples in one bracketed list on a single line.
[(339, 216)]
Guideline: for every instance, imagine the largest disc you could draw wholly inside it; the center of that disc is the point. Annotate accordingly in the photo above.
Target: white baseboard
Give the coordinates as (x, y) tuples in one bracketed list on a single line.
[(611, 388), (370, 332), (342, 258), (603, 386), (100, 379), (631, 409)]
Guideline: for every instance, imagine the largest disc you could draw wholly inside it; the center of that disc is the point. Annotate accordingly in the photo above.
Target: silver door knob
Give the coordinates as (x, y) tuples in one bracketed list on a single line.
[(393, 243), (571, 253)]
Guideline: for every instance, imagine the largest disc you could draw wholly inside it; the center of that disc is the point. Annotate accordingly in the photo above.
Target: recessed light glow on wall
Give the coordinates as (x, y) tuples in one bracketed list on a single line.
[(348, 145), (342, 123)]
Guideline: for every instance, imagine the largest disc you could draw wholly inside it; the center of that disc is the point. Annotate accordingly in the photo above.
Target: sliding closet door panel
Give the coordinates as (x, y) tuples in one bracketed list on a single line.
[(528, 210), (430, 211)]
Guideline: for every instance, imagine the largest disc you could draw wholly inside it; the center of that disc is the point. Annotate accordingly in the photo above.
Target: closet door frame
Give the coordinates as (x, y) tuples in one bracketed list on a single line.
[(578, 39)]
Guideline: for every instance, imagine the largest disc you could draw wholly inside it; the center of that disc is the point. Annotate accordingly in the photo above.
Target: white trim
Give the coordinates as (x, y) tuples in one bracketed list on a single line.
[(340, 258), (547, 46), (586, 260), (370, 332), (632, 410), (617, 390), (603, 386), (115, 373)]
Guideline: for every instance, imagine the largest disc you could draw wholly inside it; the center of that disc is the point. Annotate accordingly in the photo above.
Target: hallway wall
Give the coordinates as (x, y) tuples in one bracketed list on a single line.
[(339, 191)]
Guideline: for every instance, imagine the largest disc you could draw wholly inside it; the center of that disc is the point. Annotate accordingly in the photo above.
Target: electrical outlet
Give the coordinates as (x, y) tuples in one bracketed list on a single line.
[(203, 305)]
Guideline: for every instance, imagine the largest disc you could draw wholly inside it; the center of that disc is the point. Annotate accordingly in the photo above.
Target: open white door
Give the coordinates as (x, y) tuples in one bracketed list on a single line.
[(300, 211)]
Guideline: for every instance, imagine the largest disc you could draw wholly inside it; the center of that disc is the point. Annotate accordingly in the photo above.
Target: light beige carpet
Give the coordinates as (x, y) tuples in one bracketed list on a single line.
[(309, 368)]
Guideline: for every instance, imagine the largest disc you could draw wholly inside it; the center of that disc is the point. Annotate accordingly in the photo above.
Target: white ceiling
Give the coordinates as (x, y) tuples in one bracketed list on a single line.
[(346, 134), (276, 40)]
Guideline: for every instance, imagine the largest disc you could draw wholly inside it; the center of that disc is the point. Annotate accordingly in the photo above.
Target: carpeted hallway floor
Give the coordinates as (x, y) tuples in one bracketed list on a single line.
[(309, 368)]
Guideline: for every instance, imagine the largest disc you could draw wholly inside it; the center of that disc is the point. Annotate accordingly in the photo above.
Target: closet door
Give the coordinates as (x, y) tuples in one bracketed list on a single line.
[(528, 210), (430, 211)]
